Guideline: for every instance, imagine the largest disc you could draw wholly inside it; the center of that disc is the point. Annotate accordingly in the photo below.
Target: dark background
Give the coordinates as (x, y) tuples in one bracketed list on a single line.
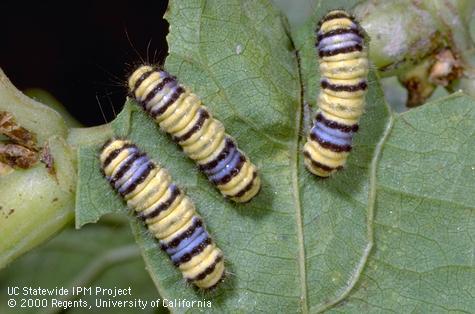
[(77, 50)]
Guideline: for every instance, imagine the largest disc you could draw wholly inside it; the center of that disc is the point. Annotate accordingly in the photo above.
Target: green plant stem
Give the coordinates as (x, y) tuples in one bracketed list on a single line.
[(95, 135), (49, 100), (29, 217)]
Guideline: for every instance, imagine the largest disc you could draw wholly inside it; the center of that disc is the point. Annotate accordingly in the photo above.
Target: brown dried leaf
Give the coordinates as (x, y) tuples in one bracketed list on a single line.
[(417, 84), (16, 155), (446, 68), (10, 128)]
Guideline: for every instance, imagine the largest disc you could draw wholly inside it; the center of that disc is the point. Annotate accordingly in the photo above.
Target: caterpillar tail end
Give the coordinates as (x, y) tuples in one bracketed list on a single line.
[(244, 186), (211, 281), (249, 195), (319, 164), (317, 170)]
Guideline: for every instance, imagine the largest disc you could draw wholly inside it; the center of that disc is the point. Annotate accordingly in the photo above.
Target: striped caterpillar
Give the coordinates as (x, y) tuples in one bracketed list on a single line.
[(168, 213), (344, 68), (181, 113)]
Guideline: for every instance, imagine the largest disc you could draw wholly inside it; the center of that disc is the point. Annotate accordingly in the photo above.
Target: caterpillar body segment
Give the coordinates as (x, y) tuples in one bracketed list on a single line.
[(168, 213), (181, 113), (343, 67)]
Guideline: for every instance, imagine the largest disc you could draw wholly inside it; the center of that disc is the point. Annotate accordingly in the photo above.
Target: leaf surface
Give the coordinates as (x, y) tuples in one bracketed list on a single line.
[(306, 244)]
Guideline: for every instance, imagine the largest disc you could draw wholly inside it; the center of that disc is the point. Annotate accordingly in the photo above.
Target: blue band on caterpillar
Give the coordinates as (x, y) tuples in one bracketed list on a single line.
[(343, 70), (181, 113), (168, 214), (342, 31)]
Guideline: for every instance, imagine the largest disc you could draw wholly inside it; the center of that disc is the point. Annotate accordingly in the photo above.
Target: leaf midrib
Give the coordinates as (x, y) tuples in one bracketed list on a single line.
[(294, 165)]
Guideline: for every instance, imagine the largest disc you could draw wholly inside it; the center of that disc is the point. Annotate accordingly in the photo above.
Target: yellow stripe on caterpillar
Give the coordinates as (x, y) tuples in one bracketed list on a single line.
[(192, 263), (317, 155), (147, 85), (336, 24), (344, 70), (152, 193), (171, 223), (189, 107), (216, 149), (135, 76), (347, 109), (172, 121), (164, 214), (188, 100), (313, 146), (141, 188)]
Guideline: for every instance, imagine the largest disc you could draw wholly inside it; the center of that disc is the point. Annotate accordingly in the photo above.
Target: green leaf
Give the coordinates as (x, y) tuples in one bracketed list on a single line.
[(400, 216), (424, 225)]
